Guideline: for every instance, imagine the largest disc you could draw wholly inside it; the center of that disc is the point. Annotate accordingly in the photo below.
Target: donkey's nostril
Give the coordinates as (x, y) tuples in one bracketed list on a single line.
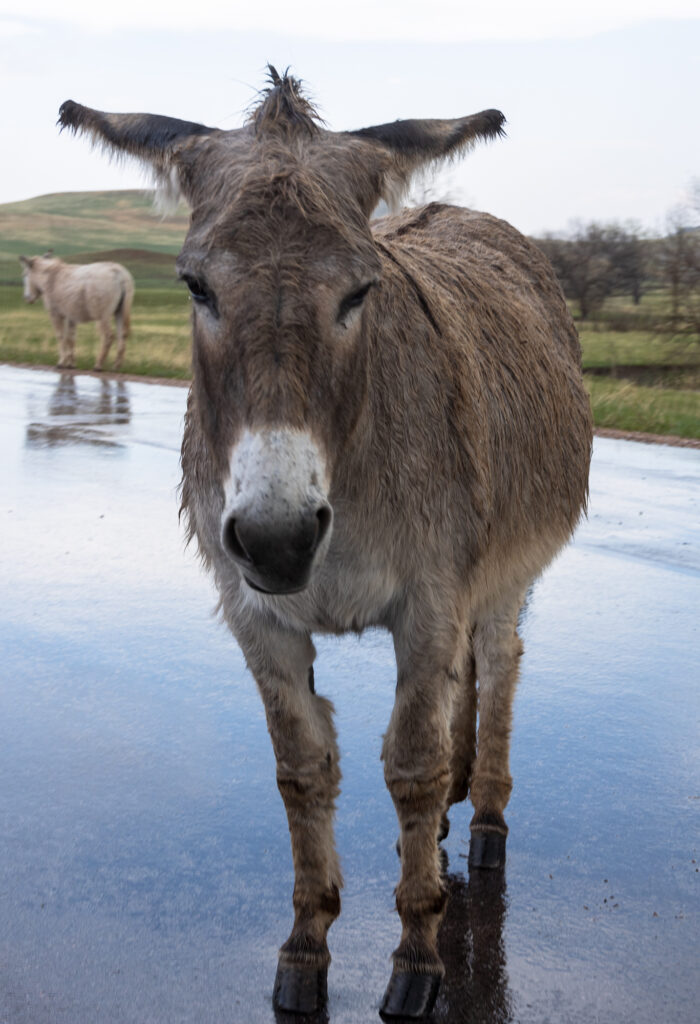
[(232, 541), (325, 518)]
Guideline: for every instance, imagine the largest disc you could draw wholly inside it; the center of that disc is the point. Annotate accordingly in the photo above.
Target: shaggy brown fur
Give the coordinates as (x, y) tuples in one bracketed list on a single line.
[(387, 426), (77, 293)]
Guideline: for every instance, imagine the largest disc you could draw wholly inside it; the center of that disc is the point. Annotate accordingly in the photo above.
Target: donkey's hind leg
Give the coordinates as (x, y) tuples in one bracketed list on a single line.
[(107, 338), (463, 732), (121, 324), (497, 650)]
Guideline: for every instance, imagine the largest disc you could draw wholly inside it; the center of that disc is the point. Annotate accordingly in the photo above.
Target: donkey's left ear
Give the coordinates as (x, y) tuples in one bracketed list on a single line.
[(151, 138), (415, 144)]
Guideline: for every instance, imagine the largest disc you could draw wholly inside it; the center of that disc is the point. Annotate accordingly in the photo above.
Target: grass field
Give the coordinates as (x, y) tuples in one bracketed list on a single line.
[(650, 410), (606, 348), (639, 379)]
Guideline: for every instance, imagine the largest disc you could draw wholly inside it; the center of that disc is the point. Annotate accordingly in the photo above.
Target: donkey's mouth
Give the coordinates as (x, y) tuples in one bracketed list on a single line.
[(278, 591)]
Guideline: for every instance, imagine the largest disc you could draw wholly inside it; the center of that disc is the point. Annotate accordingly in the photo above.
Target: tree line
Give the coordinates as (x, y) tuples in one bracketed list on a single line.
[(594, 261)]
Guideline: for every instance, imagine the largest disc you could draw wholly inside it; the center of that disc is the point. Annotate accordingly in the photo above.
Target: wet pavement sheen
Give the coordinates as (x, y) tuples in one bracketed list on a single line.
[(145, 870)]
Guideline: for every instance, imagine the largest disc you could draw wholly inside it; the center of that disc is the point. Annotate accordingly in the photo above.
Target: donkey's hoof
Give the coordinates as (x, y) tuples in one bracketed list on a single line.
[(487, 849), (300, 989), (410, 995)]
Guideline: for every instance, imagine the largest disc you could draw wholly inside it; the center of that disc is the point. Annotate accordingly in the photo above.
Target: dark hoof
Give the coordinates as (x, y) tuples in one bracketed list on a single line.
[(300, 989), (410, 995), (487, 850)]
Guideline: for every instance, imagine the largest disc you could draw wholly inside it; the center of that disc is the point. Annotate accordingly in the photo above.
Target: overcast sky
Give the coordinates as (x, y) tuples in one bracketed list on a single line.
[(601, 98)]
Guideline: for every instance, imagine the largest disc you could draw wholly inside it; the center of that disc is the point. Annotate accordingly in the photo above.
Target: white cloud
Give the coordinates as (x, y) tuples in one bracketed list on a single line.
[(416, 20), (9, 28)]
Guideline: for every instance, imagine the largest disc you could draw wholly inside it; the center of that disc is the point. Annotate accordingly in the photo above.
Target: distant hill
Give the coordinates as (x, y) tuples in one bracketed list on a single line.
[(85, 226)]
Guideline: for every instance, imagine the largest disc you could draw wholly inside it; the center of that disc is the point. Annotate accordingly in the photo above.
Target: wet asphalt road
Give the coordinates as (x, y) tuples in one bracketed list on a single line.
[(145, 871)]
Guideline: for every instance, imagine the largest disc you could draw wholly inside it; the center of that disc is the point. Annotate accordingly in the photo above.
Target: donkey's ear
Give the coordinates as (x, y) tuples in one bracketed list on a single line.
[(415, 144), (151, 138), (27, 261)]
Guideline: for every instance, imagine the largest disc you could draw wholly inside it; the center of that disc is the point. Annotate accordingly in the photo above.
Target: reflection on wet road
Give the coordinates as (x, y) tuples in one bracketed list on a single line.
[(81, 416), (145, 871)]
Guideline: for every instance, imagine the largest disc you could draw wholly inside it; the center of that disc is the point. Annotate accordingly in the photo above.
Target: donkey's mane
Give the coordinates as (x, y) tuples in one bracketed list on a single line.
[(283, 107)]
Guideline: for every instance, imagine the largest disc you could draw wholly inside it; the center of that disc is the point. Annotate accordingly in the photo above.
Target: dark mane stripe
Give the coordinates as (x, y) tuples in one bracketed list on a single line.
[(284, 108)]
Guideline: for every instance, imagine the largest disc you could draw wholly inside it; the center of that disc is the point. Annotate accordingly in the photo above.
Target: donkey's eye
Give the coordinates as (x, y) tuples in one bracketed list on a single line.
[(200, 292), (353, 301)]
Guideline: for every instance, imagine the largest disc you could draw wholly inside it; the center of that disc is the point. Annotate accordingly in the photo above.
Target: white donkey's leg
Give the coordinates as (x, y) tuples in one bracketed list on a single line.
[(70, 328), (59, 326), (107, 338), (121, 323), (308, 776), (497, 650)]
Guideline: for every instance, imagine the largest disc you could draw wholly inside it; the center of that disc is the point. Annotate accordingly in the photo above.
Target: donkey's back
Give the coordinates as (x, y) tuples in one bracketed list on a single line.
[(491, 327), (92, 291)]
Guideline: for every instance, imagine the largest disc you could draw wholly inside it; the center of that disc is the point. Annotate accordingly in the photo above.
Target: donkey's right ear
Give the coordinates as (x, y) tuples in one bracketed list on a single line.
[(26, 261), (151, 138)]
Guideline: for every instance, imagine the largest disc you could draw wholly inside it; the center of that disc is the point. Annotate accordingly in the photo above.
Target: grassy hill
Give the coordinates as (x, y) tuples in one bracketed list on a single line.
[(85, 226)]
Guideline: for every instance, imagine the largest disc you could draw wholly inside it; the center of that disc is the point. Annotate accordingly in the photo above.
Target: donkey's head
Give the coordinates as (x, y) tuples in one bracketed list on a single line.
[(34, 272), (283, 273)]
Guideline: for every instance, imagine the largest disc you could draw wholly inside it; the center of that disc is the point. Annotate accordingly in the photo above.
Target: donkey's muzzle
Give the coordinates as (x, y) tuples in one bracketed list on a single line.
[(276, 558)]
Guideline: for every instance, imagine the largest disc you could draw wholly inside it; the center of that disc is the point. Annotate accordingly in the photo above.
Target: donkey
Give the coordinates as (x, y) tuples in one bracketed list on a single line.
[(387, 426), (74, 294)]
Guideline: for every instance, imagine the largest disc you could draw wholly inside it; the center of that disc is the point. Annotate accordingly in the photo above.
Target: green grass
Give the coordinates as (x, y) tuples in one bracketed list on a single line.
[(636, 348), (652, 410)]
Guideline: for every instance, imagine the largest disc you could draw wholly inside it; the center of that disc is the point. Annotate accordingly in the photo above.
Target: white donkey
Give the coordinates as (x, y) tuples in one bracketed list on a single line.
[(74, 294)]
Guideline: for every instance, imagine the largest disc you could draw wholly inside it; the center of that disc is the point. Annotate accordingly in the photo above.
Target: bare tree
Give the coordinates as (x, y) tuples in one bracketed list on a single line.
[(597, 260), (626, 250), (582, 265), (679, 263)]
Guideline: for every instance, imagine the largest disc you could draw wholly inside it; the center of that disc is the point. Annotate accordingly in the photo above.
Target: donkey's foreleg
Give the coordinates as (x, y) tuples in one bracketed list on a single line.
[(70, 329), (308, 776), (59, 327), (417, 755), (497, 649)]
